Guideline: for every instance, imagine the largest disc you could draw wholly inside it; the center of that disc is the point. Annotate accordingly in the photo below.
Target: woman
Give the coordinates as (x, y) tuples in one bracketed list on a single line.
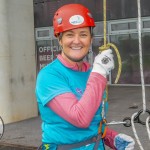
[(70, 93)]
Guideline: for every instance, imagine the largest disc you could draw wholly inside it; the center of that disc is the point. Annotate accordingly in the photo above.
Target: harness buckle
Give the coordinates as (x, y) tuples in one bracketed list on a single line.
[(96, 138)]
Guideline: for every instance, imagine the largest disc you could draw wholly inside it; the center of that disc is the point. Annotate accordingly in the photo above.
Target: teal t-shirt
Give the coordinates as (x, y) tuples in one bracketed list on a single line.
[(53, 80)]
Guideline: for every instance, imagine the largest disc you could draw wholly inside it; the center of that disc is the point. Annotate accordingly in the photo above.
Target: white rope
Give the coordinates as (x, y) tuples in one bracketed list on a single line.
[(116, 122), (140, 55), (134, 131), (142, 75), (147, 126)]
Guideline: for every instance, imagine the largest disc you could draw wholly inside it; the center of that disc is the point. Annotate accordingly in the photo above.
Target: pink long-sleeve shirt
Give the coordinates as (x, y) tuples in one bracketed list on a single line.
[(80, 113)]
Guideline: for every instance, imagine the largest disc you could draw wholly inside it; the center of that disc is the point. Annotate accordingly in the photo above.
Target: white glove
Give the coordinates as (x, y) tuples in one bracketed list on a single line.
[(103, 62), (124, 142)]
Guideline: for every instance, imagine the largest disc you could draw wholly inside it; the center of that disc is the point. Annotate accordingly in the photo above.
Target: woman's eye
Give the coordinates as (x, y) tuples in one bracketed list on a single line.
[(69, 35), (83, 35)]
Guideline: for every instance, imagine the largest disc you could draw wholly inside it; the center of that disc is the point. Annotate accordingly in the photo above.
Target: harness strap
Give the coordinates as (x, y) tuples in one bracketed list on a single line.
[(95, 140)]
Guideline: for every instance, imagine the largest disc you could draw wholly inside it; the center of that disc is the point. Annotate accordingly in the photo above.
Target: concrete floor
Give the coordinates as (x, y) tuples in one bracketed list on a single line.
[(123, 102)]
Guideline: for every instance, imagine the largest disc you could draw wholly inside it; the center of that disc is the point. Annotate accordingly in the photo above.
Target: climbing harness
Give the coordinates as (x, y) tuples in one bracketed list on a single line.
[(95, 139), (135, 118)]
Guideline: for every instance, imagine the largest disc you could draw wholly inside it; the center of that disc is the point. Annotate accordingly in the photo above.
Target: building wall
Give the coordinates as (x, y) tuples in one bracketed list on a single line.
[(17, 61), (116, 9), (122, 30)]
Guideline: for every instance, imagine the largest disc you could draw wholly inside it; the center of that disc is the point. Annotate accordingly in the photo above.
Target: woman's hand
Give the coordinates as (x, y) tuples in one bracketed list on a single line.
[(103, 62)]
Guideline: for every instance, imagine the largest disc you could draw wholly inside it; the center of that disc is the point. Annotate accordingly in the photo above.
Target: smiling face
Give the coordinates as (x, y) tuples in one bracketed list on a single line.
[(75, 44)]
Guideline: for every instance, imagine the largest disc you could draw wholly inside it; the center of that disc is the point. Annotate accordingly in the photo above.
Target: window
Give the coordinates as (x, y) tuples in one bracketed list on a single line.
[(124, 26), (42, 33)]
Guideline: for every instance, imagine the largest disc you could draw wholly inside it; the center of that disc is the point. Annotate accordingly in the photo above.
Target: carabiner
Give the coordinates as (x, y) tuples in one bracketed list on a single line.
[(136, 118), (128, 121)]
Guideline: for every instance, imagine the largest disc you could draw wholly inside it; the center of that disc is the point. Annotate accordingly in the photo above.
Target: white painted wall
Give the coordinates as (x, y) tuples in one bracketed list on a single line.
[(17, 60)]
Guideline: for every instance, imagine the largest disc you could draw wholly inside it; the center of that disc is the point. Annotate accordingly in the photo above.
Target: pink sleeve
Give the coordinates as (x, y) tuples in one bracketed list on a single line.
[(80, 112), (109, 138)]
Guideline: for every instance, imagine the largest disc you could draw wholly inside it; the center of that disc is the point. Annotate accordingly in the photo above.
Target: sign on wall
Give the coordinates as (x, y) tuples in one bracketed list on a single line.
[(46, 53)]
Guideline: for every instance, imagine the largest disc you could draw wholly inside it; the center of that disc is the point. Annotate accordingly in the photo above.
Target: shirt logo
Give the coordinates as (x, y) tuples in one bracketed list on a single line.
[(76, 20), (47, 146), (79, 91)]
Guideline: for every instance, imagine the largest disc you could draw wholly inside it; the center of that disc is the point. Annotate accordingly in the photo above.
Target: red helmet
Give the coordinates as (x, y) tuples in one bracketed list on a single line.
[(72, 16)]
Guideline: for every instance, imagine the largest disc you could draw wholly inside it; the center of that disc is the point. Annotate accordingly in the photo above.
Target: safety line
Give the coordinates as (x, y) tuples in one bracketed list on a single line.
[(134, 131), (142, 79), (140, 54), (105, 47)]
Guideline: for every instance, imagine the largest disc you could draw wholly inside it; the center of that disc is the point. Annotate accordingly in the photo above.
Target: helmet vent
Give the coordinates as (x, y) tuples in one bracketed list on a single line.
[(59, 20), (90, 15)]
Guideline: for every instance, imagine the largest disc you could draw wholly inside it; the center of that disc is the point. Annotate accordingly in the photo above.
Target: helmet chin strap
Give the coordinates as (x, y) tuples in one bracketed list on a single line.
[(59, 36)]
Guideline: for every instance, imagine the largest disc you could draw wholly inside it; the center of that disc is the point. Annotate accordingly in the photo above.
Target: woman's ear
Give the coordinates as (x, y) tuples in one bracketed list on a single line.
[(59, 41)]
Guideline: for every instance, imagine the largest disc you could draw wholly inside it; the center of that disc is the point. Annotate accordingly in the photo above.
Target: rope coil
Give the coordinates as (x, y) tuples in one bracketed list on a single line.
[(108, 45)]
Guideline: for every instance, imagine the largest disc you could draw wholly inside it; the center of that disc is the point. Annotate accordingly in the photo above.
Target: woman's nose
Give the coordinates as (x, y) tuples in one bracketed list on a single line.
[(76, 39)]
